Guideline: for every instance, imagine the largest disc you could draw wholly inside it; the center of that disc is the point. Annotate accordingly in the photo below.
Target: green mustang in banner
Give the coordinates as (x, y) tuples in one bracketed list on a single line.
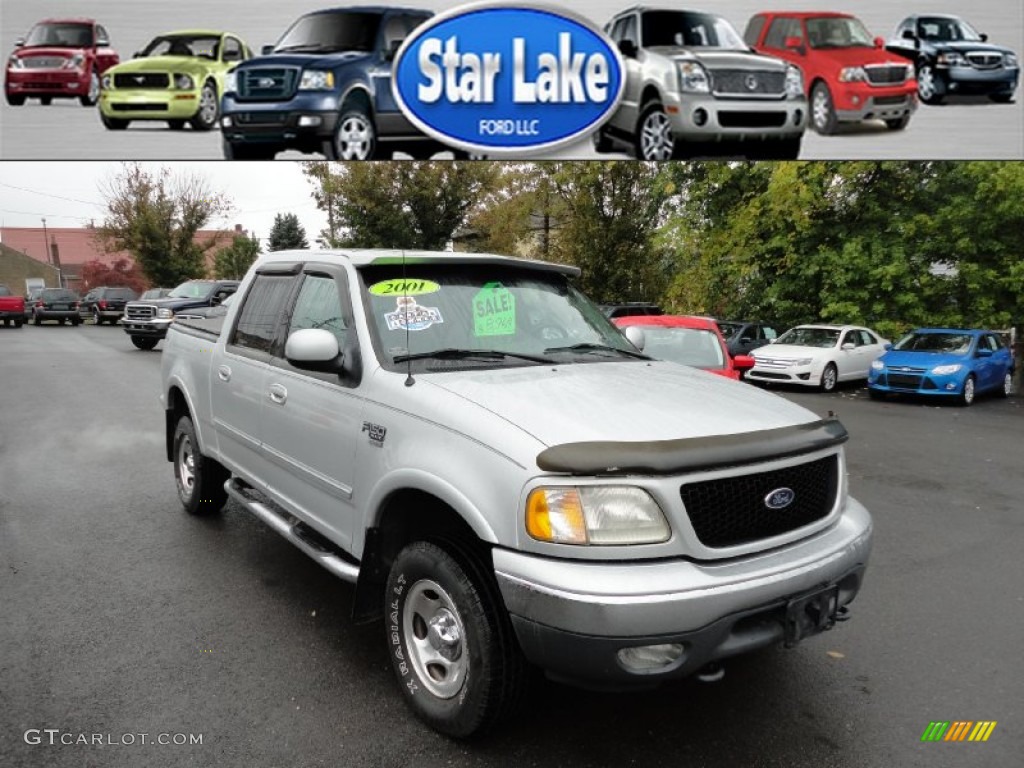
[(178, 78)]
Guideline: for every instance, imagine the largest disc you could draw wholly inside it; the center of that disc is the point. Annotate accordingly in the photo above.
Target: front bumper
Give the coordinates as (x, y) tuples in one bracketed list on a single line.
[(47, 82), (147, 329), (806, 375), (703, 117), (854, 102), (572, 618), (918, 384), (149, 104), (968, 80)]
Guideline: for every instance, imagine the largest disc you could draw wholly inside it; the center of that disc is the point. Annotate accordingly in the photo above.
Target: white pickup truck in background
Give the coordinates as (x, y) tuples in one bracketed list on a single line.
[(506, 479)]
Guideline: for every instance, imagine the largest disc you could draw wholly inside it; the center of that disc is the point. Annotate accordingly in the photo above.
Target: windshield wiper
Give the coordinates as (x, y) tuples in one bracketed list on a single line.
[(589, 347), (453, 353)]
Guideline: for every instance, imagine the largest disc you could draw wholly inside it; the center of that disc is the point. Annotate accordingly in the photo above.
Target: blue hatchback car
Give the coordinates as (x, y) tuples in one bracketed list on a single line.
[(946, 362)]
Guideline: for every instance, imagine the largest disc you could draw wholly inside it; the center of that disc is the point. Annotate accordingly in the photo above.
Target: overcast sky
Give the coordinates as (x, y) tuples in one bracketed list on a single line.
[(67, 194)]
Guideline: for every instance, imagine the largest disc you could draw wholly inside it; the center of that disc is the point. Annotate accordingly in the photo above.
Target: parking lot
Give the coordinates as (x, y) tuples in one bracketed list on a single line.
[(122, 615)]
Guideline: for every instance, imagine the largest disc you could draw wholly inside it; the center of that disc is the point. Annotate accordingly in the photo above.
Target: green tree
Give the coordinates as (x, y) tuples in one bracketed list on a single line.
[(156, 217), (418, 204), (286, 233), (233, 261)]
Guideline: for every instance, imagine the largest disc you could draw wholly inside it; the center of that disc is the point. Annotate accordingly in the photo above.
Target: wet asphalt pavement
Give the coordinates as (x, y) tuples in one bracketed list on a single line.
[(121, 616)]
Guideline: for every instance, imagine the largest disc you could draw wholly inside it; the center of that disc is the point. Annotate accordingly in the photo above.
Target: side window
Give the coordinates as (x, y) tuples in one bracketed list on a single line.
[(261, 313), (101, 35), (851, 338), (319, 306), (992, 343), (618, 29), (779, 30), (769, 332), (629, 31), (753, 30), (231, 50), (866, 339)]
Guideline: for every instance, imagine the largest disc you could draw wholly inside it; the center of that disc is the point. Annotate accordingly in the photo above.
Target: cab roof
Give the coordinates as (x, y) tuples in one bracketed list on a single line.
[(365, 257)]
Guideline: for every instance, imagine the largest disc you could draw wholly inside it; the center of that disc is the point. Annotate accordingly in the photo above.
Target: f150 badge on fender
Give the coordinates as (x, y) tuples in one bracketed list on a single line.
[(497, 77)]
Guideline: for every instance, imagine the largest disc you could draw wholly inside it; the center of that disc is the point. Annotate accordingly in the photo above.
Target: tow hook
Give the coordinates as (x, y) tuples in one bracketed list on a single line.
[(711, 673), (843, 614)]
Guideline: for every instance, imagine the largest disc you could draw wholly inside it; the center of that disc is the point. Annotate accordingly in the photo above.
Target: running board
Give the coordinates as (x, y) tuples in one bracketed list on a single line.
[(294, 531)]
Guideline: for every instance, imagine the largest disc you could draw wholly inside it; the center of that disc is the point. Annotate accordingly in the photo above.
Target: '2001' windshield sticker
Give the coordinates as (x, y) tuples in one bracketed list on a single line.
[(410, 316), (401, 286), (494, 311)]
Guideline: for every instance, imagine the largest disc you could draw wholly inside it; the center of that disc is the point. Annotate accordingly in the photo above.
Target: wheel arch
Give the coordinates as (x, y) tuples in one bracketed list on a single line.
[(357, 94), (176, 405)]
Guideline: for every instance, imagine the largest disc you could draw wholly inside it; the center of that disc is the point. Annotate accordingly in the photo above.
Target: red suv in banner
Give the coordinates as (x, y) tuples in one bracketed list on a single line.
[(849, 76), (60, 58)]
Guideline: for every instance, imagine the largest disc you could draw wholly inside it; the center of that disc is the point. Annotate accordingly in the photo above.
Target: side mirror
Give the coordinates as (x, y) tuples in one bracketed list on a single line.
[(628, 49), (266, 50), (102, 42), (636, 337), (137, 55), (795, 44), (19, 42), (313, 349), (984, 37), (848, 346), (879, 42), (392, 49), (743, 362), (908, 34)]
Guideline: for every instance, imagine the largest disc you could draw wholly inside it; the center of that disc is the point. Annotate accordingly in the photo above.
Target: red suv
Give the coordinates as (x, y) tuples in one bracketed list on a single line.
[(849, 76), (60, 58)]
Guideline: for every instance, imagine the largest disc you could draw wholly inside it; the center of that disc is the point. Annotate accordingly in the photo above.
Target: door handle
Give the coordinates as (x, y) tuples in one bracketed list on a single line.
[(224, 373), (278, 394)]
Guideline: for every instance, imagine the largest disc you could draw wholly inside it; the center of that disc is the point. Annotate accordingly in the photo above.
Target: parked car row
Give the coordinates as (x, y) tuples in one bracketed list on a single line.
[(691, 79)]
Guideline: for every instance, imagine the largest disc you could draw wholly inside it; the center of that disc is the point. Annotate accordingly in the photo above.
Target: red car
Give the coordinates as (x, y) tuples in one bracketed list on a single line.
[(849, 76), (60, 58), (693, 341)]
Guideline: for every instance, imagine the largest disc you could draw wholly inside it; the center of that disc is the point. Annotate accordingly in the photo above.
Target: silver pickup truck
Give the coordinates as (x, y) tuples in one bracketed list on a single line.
[(506, 479)]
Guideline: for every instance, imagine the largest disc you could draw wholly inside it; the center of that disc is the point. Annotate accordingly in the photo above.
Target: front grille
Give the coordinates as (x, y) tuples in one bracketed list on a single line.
[(260, 118), (732, 510), (886, 74), (777, 362), (267, 83), (985, 60), (751, 119), (137, 107), (45, 86), (903, 381), (738, 82), (142, 80), (140, 312), (43, 62), (889, 101), (771, 375)]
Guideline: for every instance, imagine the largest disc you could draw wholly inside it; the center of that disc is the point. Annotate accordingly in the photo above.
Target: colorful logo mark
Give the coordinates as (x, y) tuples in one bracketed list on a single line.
[(958, 730)]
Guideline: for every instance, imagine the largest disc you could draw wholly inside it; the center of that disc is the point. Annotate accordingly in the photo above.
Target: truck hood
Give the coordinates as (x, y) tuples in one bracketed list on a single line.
[(305, 60), (855, 57), (964, 46), (722, 58), (623, 401), (894, 359), (174, 304)]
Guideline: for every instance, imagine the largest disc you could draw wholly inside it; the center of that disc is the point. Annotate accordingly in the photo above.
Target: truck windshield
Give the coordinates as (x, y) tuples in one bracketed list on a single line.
[(194, 289), (330, 32), (838, 32), (693, 30), (459, 315)]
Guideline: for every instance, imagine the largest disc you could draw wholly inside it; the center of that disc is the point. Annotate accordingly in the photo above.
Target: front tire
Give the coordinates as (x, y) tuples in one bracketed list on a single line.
[(654, 138), (46, 100), (969, 392), (96, 318), (15, 101), (247, 151), (93, 94), (929, 87), (1001, 98), (209, 110), (200, 480), (355, 137), (602, 142), (898, 124), (829, 378), (823, 112), (1007, 387), (144, 343), (452, 646), (113, 123)]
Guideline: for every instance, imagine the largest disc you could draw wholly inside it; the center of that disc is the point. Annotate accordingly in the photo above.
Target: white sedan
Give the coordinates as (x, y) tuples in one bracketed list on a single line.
[(818, 356)]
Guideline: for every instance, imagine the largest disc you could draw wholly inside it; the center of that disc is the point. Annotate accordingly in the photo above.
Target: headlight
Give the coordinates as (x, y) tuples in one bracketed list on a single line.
[(945, 370), (107, 82), (693, 78), (231, 82), (75, 62), (164, 314), (852, 75), (794, 82), (804, 361), (316, 80), (603, 514), (877, 365), (15, 63), (1010, 60), (184, 82), (952, 59)]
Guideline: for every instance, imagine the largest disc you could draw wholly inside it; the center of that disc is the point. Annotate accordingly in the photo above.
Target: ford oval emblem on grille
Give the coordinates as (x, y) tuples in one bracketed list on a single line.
[(266, 82), (780, 498), (750, 82)]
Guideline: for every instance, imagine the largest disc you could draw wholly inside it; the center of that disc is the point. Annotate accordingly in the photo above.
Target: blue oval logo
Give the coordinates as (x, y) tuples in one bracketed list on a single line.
[(499, 78), (780, 498)]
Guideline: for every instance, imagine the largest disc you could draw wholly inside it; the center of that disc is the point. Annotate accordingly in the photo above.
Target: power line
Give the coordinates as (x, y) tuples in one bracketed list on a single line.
[(47, 215), (47, 194)]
